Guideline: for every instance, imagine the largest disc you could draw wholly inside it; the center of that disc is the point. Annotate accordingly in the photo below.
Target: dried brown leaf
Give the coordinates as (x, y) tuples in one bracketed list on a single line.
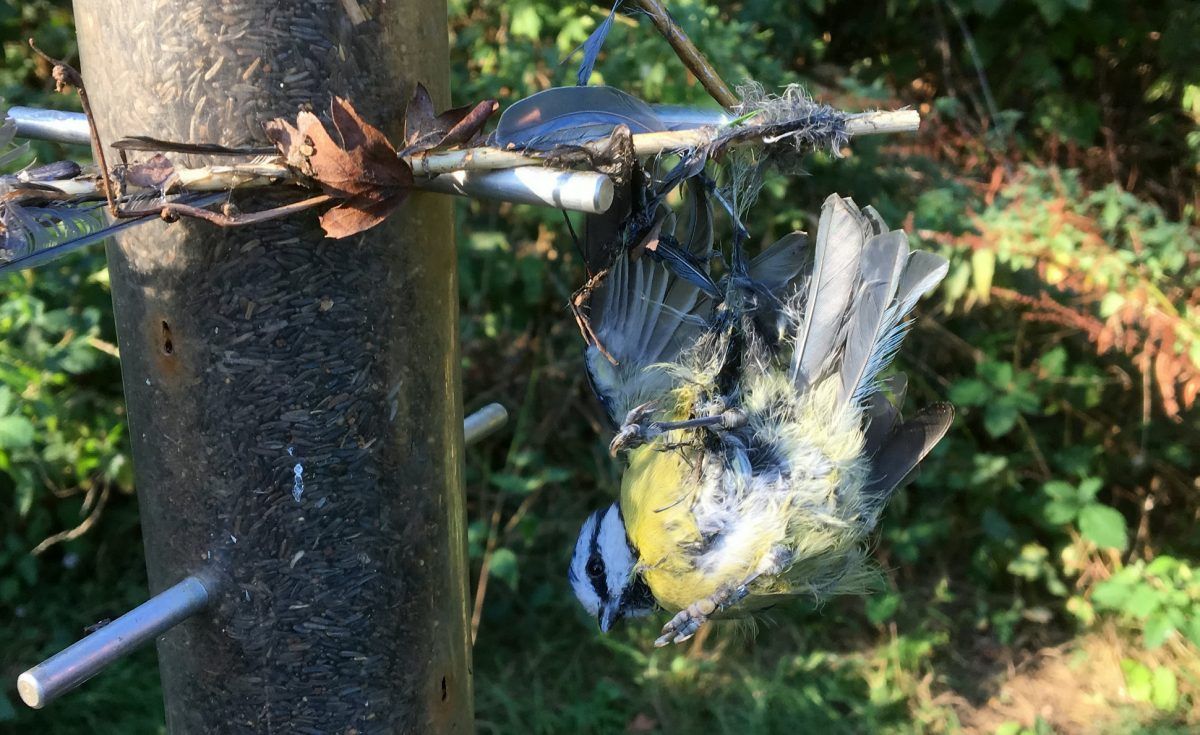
[(425, 130), (419, 118), (151, 174), (362, 162), (381, 164), (468, 125), (1166, 369), (358, 214), (1190, 389)]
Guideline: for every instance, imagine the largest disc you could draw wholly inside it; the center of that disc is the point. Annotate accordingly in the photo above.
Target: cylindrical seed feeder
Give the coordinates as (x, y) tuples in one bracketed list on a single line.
[(293, 401)]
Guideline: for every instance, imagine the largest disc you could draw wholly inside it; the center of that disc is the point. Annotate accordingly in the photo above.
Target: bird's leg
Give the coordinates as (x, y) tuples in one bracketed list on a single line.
[(687, 621), (732, 418), (633, 433)]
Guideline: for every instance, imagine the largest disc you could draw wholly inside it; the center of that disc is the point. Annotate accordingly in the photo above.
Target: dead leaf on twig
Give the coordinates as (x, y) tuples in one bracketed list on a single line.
[(426, 130), (469, 125), (357, 214), (359, 166), (363, 162), (152, 174)]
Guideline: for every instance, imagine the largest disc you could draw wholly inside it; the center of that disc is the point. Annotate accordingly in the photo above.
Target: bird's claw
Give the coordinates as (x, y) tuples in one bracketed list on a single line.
[(633, 433), (686, 622), (628, 437)]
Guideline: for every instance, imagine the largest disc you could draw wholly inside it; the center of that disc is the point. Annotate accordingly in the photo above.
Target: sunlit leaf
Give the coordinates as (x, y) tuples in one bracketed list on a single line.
[(503, 566), (1104, 526), (1165, 694), (16, 432)]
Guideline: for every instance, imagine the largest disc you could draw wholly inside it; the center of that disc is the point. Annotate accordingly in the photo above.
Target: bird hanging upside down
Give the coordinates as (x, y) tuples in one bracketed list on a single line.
[(762, 442)]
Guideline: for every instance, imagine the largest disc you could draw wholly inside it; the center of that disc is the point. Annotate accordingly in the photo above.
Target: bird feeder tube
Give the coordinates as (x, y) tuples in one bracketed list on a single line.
[(293, 402), (76, 664)]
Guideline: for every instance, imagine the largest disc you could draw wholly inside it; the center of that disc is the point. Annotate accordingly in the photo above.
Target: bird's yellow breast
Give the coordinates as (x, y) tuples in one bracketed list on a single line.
[(656, 502)]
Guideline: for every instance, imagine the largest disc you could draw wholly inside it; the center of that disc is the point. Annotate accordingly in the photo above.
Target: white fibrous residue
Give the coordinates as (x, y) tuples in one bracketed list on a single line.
[(297, 478)]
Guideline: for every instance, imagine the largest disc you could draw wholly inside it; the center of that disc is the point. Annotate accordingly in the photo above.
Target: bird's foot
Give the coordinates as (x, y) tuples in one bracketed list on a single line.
[(687, 621), (633, 433)]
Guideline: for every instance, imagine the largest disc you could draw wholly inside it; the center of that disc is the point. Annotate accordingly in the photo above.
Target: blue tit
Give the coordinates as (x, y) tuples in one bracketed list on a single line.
[(762, 442)]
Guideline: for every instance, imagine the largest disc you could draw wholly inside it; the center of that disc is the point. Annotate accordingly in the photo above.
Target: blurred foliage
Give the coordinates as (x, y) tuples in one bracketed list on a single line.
[(1057, 168)]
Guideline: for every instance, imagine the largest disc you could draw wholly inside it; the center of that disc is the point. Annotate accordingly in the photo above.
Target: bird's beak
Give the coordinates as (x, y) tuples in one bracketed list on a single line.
[(608, 617)]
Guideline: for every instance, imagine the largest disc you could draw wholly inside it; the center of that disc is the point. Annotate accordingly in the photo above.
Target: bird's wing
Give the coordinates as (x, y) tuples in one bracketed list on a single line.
[(777, 267), (821, 438), (643, 314), (33, 235), (883, 412)]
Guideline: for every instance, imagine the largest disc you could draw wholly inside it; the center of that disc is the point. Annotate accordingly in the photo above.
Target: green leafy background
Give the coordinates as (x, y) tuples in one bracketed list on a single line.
[(1042, 573)]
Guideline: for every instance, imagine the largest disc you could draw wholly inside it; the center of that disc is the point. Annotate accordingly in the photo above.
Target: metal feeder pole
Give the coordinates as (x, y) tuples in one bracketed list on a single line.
[(293, 401)]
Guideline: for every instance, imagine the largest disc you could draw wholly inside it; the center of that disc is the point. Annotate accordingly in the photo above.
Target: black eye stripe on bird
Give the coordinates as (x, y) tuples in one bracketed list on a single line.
[(762, 442)]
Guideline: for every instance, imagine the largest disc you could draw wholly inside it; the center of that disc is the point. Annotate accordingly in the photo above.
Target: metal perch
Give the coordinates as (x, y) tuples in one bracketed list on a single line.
[(81, 661)]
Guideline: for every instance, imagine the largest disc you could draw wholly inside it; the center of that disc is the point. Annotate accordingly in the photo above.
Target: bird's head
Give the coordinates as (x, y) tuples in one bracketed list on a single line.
[(602, 571)]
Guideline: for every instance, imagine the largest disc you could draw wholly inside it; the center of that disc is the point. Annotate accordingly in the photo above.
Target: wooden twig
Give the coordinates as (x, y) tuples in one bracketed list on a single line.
[(644, 144), (431, 170), (425, 165), (250, 218), (76, 532), (687, 52), (234, 176), (969, 42), (579, 299), (485, 569)]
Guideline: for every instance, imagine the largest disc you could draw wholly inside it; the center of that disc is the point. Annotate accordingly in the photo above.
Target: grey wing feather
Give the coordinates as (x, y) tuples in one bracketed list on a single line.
[(778, 266), (694, 232), (639, 329), (643, 314), (904, 450), (878, 226), (31, 236), (883, 260), (923, 271), (835, 276), (572, 116), (883, 411)]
